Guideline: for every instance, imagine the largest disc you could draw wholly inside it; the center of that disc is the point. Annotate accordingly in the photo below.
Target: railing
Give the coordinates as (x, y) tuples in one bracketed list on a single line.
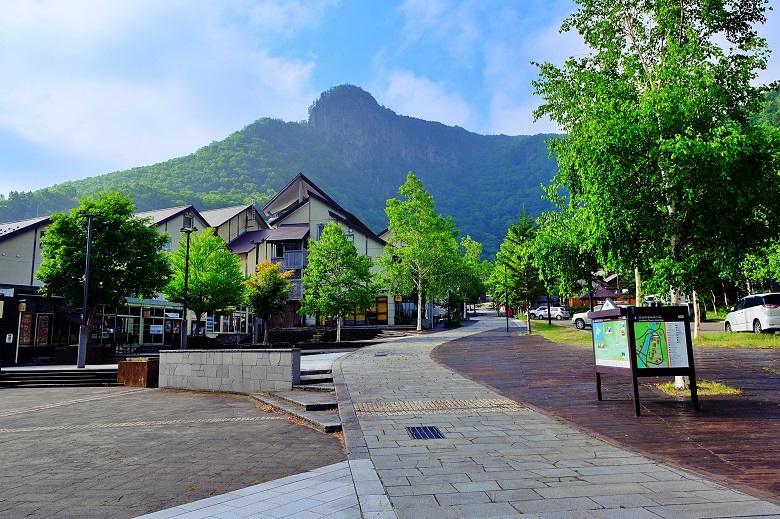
[(296, 290), (292, 260)]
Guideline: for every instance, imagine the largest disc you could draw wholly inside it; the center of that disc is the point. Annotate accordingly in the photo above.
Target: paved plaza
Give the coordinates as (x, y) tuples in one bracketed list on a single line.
[(490, 455), (123, 452)]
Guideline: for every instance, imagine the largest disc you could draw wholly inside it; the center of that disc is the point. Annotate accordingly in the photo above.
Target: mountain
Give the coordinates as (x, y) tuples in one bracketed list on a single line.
[(355, 150)]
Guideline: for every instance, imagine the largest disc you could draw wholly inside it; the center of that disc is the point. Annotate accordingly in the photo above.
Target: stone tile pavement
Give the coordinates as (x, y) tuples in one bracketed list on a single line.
[(497, 457)]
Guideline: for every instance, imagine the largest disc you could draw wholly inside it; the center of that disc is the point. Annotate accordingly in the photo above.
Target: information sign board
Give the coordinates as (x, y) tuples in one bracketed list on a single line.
[(643, 342)]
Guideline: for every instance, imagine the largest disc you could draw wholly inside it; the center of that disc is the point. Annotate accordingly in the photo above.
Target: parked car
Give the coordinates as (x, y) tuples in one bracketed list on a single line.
[(581, 319), (556, 312), (756, 313)]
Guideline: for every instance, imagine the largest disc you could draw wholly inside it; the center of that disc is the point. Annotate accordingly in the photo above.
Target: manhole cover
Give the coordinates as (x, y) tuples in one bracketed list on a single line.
[(425, 433)]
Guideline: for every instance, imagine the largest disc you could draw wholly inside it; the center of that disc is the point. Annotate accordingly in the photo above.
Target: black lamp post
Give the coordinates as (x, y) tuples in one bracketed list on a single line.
[(186, 330), (506, 296), (81, 360)]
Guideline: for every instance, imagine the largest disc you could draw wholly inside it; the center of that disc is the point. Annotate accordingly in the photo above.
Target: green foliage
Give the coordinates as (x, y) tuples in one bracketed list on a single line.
[(422, 254), (660, 160), (215, 279), (267, 292), (769, 116), (126, 254), (354, 149), (516, 276), (337, 280)]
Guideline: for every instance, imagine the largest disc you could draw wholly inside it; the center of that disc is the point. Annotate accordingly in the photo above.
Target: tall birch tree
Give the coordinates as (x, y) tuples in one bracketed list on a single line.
[(423, 248), (660, 154)]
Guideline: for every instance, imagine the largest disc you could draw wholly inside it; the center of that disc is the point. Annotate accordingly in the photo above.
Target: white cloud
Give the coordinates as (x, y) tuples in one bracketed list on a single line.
[(419, 97), (127, 83)]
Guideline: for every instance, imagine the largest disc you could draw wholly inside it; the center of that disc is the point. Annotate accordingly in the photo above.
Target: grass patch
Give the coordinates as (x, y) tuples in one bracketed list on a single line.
[(737, 340), (570, 335), (776, 371), (703, 388), (564, 334)]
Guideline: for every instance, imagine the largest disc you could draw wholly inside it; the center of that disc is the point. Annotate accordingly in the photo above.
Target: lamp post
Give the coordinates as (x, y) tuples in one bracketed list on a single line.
[(81, 359), (506, 296), (186, 330)]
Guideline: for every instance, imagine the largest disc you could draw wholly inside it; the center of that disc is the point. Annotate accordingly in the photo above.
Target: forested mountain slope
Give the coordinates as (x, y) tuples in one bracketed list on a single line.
[(355, 150)]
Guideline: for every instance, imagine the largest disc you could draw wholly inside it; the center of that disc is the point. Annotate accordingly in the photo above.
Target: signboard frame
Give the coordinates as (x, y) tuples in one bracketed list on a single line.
[(666, 335)]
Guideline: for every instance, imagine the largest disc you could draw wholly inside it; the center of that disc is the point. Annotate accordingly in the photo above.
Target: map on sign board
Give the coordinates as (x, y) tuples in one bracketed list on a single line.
[(660, 344), (610, 343)]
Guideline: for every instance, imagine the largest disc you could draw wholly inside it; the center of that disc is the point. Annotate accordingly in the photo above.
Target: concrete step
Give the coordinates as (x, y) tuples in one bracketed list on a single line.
[(325, 386), (327, 421), (316, 378), (308, 400), (57, 377)]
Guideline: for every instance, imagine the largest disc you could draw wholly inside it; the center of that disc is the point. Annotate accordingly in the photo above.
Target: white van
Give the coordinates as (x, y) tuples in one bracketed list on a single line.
[(756, 313)]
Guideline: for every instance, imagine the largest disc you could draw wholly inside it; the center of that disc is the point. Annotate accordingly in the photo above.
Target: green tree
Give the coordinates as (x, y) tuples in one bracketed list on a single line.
[(267, 292), (126, 257), (516, 254), (423, 249), (476, 271), (561, 254), (215, 279), (660, 154), (337, 280)]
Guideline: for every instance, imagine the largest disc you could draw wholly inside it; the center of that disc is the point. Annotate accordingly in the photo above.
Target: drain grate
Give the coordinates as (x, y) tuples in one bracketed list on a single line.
[(428, 432)]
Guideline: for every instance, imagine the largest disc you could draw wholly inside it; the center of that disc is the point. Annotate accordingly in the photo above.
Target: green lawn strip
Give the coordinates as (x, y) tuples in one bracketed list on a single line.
[(703, 388), (568, 335), (776, 371), (563, 334), (737, 340)]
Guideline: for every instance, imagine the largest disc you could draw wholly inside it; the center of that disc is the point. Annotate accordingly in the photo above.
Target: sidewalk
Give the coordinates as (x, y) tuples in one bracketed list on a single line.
[(496, 457)]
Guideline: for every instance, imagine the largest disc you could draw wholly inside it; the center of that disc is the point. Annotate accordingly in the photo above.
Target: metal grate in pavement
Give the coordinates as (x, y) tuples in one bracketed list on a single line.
[(426, 432), (487, 405)]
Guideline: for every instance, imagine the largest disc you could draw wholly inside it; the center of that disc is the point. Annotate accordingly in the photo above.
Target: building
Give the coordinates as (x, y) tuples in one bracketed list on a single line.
[(34, 328)]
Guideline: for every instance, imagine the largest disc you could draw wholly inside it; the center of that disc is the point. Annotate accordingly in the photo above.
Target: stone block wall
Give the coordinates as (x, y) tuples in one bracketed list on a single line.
[(237, 371)]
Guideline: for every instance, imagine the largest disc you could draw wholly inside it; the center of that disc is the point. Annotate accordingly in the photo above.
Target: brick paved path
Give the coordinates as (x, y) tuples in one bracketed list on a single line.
[(733, 439)]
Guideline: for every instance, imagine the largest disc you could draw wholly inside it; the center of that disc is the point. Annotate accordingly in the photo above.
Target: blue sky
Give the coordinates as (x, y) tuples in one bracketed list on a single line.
[(94, 86)]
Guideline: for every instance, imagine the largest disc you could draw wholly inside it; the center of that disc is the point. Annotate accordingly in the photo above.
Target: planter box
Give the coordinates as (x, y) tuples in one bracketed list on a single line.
[(138, 372)]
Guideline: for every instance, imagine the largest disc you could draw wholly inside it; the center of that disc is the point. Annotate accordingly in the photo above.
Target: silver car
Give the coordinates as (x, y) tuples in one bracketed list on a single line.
[(756, 313), (556, 312)]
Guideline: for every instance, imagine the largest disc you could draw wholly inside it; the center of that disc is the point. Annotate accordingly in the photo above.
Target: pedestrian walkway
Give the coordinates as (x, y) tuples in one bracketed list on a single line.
[(446, 447)]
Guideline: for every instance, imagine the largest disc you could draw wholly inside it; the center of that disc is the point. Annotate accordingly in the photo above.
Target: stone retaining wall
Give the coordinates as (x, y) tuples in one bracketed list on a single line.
[(238, 371)]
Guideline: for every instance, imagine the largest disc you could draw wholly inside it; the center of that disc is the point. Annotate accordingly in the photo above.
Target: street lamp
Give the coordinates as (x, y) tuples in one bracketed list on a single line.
[(81, 359), (186, 330), (506, 296)]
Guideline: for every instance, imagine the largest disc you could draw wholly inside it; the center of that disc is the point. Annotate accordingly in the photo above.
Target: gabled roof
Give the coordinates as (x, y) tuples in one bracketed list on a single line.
[(354, 223), (293, 195), (10, 229), (160, 216), (243, 243), (217, 217), (290, 232), (298, 192)]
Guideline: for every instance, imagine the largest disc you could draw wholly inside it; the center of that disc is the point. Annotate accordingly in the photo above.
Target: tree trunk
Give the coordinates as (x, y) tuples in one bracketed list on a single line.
[(266, 325), (528, 316), (714, 308), (338, 328), (696, 316), (638, 286), (419, 309)]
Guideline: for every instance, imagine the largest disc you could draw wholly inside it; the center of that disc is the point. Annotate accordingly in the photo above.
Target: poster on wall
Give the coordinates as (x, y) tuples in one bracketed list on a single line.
[(25, 328), (44, 325)]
